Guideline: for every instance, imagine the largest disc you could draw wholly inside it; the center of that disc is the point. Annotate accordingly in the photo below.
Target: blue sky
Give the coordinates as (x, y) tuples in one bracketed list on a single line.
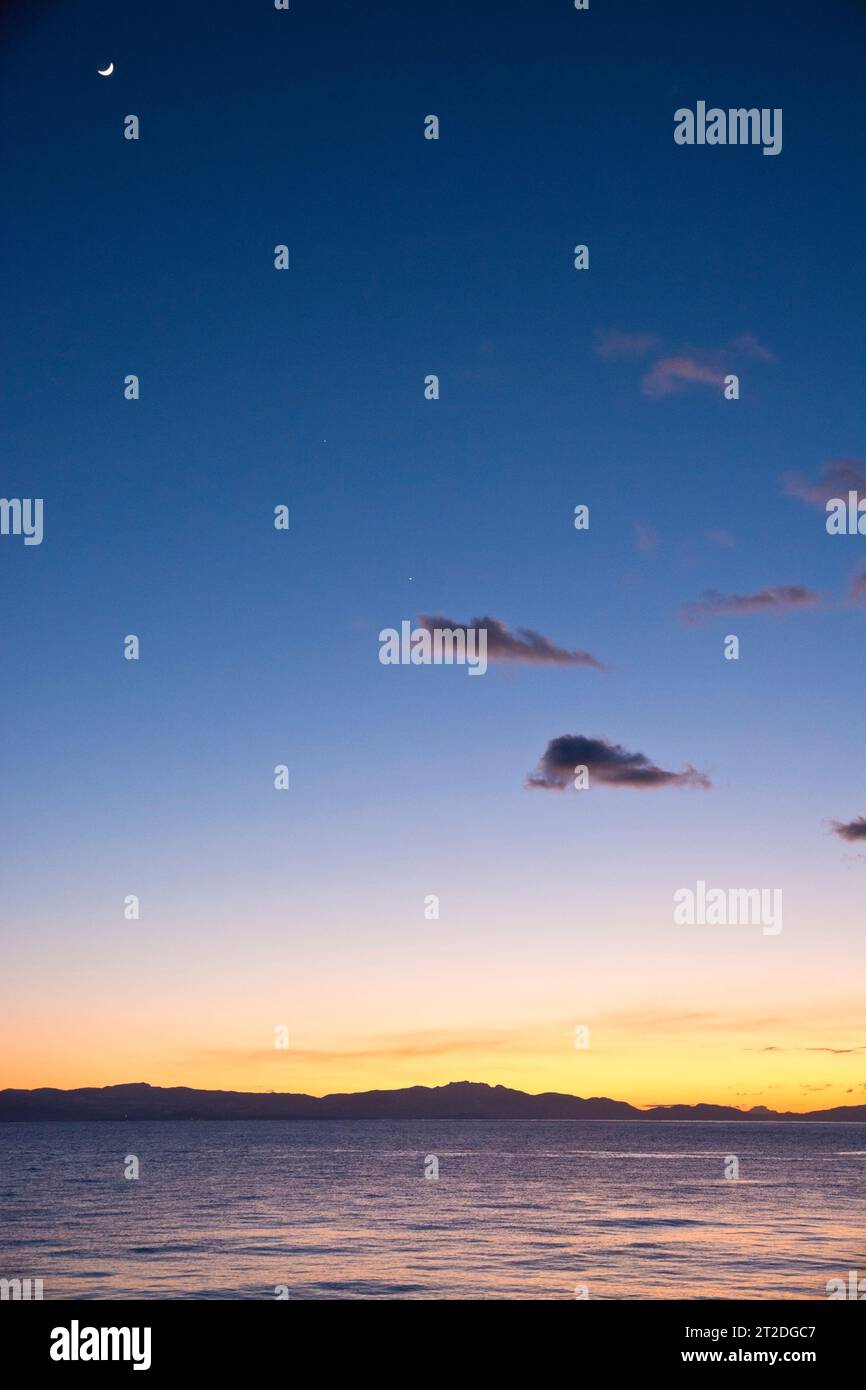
[(411, 257)]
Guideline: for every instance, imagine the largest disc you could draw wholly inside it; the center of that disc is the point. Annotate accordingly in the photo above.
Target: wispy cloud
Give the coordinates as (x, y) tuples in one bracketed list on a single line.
[(662, 1018), (748, 345), (830, 1051), (608, 764), (617, 346), (680, 367), (726, 539), (645, 538), (528, 1039), (672, 374), (782, 598), (838, 478), (858, 588), (523, 645)]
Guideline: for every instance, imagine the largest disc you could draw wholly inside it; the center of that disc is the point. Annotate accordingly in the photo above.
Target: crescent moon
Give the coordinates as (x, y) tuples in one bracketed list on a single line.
[(106, 72)]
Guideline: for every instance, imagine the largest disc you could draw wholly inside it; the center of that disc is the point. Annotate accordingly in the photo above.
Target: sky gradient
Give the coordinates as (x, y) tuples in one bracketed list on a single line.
[(306, 387)]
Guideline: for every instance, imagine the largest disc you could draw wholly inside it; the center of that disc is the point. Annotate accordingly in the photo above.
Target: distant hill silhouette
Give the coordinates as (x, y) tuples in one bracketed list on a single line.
[(459, 1100)]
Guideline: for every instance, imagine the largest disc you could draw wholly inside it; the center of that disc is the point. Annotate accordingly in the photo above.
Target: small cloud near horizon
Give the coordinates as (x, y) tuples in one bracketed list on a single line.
[(852, 830), (523, 645), (831, 1051), (608, 764)]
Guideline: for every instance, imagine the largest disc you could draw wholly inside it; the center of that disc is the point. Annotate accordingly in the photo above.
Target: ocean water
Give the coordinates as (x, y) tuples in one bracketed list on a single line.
[(519, 1210)]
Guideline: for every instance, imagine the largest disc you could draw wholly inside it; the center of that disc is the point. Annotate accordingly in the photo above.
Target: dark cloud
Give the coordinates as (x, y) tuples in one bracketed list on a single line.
[(838, 478), (851, 830), (608, 765), (779, 599), (522, 645), (836, 1051)]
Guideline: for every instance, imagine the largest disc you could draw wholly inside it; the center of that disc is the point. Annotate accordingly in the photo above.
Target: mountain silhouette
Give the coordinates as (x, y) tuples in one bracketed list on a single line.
[(458, 1100)]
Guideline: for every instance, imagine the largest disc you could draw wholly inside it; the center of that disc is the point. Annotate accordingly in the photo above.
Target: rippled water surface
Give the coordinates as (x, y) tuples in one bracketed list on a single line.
[(520, 1210)]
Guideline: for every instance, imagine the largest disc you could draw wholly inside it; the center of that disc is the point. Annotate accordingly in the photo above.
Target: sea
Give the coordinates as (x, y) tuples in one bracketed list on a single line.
[(355, 1209)]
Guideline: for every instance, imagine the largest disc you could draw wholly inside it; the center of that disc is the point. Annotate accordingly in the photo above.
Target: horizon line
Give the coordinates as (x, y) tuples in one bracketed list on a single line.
[(478, 1086)]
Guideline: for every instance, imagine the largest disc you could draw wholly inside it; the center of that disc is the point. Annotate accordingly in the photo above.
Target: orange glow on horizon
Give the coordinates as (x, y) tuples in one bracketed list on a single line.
[(678, 1061)]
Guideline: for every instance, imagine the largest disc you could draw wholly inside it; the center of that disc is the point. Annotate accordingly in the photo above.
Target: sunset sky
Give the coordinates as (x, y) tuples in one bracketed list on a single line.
[(306, 387)]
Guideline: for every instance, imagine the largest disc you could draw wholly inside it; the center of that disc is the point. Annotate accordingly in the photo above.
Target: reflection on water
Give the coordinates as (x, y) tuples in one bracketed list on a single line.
[(520, 1210)]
